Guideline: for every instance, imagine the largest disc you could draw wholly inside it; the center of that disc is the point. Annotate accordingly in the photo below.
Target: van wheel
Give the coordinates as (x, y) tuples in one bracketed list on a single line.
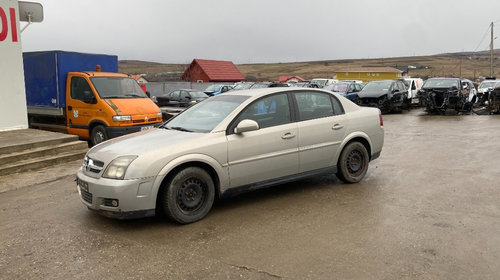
[(98, 135), (353, 163), (188, 196)]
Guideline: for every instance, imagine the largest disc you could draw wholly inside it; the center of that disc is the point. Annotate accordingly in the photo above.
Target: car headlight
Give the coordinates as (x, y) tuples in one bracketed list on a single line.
[(122, 118), (159, 115), (117, 168)]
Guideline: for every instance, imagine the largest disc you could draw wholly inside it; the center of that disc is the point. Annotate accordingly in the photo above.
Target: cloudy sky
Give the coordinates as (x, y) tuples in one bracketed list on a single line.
[(176, 31)]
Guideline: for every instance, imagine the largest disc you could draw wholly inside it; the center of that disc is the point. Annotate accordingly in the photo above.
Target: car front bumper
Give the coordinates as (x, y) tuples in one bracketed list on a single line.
[(116, 131), (120, 199)]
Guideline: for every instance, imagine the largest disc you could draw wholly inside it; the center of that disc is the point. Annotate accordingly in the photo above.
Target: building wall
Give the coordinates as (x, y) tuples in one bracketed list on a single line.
[(13, 112), (196, 74), (367, 76)]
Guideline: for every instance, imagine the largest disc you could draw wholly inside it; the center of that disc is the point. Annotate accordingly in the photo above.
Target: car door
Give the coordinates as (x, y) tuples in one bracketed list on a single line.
[(81, 106), (269, 152), (322, 126), (184, 98)]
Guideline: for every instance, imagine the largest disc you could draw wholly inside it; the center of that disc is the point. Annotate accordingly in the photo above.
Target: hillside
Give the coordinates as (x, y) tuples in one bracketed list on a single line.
[(453, 64)]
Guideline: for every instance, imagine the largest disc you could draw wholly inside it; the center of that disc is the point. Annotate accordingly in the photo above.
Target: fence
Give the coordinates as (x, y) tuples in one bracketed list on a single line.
[(160, 88)]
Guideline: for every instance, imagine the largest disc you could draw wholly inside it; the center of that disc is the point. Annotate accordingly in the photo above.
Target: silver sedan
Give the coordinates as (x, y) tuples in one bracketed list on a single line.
[(228, 144)]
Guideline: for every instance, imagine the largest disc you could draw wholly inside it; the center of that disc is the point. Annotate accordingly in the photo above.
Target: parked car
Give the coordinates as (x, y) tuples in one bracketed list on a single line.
[(387, 95), (486, 85), (304, 84), (181, 98), (216, 89), (322, 82), (242, 85), (440, 94), (268, 85), (234, 142), (412, 86), (347, 89)]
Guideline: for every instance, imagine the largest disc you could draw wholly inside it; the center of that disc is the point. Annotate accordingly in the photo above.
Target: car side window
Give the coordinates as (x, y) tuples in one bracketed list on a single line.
[(337, 106), (313, 105), (184, 94), (268, 111), (80, 88), (175, 94)]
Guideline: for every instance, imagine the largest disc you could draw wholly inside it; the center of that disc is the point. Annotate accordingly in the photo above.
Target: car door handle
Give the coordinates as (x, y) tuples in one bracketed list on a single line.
[(337, 126), (288, 136)]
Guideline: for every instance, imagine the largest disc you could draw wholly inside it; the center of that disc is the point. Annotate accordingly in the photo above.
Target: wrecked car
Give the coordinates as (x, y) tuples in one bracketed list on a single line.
[(488, 102), (387, 95), (438, 95)]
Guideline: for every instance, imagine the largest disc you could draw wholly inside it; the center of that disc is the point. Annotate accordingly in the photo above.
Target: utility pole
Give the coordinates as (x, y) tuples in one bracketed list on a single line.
[(491, 51)]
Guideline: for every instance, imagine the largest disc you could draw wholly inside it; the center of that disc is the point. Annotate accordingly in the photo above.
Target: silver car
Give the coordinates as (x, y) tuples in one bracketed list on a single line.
[(227, 144)]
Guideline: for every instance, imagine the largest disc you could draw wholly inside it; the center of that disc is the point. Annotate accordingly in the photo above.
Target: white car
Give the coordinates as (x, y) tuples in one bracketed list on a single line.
[(227, 144)]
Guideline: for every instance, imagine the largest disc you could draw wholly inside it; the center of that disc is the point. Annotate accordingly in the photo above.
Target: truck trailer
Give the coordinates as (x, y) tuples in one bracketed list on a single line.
[(83, 94)]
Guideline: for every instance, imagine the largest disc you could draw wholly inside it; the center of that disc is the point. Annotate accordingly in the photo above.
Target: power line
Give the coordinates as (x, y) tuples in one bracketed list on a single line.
[(484, 36)]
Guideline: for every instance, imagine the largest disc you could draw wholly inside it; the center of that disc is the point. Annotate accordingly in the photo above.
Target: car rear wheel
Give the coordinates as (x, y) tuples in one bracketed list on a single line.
[(353, 163), (188, 196)]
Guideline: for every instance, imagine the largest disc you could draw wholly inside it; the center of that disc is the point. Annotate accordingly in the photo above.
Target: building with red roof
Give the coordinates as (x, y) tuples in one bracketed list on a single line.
[(291, 79), (203, 70)]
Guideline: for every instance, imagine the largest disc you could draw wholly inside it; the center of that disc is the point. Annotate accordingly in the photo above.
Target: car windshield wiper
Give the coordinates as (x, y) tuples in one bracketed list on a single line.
[(133, 95), (177, 128), (114, 96)]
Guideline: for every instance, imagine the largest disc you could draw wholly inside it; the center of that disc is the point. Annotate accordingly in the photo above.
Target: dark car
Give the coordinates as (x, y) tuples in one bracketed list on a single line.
[(347, 89), (440, 94), (267, 85), (387, 95), (181, 98)]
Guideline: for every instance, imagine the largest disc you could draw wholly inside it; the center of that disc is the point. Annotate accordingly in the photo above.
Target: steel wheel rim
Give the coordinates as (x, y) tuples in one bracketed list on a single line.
[(355, 162), (99, 137), (192, 195)]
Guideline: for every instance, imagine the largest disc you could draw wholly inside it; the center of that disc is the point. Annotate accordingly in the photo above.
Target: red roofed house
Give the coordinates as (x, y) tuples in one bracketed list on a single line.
[(291, 79), (202, 70)]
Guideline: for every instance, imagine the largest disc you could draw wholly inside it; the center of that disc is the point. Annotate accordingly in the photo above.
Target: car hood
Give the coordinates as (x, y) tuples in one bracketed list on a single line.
[(371, 94), (145, 142)]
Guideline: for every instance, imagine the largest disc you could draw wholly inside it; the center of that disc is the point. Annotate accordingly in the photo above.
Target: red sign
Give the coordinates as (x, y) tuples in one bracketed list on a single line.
[(4, 28)]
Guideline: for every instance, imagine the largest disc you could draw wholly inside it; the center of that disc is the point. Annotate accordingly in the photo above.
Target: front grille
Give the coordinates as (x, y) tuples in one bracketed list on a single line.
[(92, 165), (142, 121), (86, 196)]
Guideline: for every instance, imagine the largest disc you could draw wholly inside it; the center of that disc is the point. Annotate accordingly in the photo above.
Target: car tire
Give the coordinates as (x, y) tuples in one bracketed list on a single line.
[(353, 163), (188, 195), (98, 135)]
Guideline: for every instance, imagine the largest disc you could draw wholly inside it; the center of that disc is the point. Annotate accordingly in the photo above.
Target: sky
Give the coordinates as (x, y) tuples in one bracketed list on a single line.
[(263, 31)]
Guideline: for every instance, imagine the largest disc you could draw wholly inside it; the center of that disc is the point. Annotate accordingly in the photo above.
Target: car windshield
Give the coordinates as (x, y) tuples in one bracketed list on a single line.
[(339, 87), (320, 82), (198, 94), (378, 86), (213, 88), (487, 84), (206, 115), (243, 86), (260, 85), (441, 83), (117, 87)]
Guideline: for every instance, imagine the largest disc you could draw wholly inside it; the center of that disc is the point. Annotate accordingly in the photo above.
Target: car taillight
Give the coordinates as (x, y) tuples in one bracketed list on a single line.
[(380, 117)]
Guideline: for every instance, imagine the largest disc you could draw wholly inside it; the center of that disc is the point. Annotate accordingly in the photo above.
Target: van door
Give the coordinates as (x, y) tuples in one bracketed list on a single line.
[(80, 106)]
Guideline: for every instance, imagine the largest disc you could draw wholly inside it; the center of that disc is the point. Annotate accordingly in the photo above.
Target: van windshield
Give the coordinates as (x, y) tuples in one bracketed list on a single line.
[(117, 87)]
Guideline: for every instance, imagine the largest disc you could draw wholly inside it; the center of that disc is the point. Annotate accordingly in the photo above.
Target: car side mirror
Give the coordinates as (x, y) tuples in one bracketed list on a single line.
[(246, 125), (395, 90), (187, 97)]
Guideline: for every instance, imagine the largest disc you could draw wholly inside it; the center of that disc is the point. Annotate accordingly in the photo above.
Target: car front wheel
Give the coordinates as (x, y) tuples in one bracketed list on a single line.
[(353, 163), (188, 196)]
